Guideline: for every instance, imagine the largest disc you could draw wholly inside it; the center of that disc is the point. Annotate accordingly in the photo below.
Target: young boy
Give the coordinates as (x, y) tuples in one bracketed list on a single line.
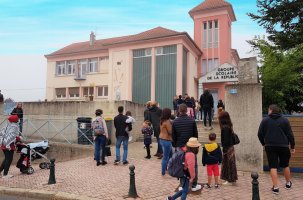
[(212, 157), (147, 130)]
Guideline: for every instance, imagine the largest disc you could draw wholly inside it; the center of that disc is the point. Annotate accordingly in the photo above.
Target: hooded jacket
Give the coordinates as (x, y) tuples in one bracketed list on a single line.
[(212, 154), (275, 130), (153, 115)]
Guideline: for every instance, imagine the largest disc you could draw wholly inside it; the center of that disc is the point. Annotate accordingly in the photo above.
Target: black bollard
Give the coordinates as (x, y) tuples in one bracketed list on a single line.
[(255, 186), (132, 186), (52, 178)]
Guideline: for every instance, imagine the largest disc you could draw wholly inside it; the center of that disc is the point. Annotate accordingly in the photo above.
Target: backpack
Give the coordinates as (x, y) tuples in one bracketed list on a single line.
[(98, 127), (175, 165)]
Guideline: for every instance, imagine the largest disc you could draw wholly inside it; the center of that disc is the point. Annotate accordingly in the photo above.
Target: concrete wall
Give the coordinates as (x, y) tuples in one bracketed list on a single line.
[(245, 109), (55, 116), (248, 70)]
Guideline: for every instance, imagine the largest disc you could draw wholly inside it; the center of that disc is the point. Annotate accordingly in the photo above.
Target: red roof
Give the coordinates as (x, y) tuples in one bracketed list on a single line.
[(213, 4), (158, 32)]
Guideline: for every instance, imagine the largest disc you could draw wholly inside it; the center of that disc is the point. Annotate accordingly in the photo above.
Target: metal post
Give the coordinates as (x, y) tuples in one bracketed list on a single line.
[(255, 186), (52, 178), (132, 186)]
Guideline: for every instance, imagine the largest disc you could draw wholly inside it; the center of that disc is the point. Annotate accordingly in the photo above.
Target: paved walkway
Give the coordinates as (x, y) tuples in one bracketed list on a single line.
[(83, 177)]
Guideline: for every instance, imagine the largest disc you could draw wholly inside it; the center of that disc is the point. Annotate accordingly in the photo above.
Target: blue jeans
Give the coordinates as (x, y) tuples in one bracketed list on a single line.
[(121, 139), (182, 193), (159, 149), (167, 151), (100, 143)]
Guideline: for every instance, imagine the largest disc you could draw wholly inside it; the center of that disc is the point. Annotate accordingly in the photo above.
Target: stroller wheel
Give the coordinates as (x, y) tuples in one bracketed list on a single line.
[(30, 170), (42, 165), (47, 165)]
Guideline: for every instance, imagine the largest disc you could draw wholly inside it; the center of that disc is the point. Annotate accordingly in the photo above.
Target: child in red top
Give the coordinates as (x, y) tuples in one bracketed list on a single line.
[(10, 137), (191, 150)]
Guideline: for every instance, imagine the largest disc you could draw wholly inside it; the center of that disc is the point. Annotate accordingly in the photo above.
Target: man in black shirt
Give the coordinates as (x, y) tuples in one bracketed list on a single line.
[(121, 135), (207, 103)]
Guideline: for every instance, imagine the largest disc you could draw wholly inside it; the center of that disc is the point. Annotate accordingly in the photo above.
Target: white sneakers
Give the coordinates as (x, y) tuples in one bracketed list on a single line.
[(196, 188), (7, 176)]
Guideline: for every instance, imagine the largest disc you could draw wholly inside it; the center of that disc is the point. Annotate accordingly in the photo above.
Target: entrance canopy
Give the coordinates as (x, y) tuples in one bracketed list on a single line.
[(224, 73)]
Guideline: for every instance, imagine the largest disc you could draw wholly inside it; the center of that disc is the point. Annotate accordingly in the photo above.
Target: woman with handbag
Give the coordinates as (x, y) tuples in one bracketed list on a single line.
[(229, 168)]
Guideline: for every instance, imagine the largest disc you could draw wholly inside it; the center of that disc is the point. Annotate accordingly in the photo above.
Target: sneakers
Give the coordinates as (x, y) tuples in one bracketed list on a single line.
[(116, 162), (275, 190), (7, 176), (288, 185), (196, 188), (98, 163), (169, 198), (125, 162), (207, 186), (216, 186), (147, 157), (180, 188)]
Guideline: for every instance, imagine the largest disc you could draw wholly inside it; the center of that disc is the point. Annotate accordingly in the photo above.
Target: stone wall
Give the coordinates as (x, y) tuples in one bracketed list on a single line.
[(245, 109), (53, 117)]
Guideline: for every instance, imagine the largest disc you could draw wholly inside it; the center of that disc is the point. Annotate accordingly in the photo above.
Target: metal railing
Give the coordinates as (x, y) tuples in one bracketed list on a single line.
[(53, 130)]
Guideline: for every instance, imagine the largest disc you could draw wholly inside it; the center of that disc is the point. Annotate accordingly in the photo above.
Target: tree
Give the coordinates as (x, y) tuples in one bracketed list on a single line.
[(283, 21), (281, 75)]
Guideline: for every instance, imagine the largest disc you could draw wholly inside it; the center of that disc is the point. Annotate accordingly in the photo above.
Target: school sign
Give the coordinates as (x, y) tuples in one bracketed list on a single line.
[(223, 73)]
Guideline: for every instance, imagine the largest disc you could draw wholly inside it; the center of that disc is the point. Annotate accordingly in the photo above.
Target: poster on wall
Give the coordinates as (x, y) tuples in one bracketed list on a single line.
[(223, 73)]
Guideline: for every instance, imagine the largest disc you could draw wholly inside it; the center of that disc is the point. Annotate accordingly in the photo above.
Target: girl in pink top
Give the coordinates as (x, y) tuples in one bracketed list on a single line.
[(191, 150)]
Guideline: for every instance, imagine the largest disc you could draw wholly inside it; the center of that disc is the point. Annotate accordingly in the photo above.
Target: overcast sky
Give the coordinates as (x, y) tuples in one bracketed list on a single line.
[(30, 29)]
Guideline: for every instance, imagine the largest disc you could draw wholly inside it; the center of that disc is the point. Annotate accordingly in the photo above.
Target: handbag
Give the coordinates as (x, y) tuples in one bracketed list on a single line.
[(236, 139), (108, 151)]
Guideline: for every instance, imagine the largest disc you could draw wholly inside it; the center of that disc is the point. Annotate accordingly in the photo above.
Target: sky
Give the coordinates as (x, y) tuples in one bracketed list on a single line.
[(30, 29)]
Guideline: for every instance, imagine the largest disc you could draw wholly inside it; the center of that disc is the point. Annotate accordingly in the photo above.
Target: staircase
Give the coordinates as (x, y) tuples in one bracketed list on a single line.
[(202, 133)]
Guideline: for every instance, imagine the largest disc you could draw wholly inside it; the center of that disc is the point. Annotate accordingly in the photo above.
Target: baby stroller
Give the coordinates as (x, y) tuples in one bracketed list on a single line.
[(30, 152)]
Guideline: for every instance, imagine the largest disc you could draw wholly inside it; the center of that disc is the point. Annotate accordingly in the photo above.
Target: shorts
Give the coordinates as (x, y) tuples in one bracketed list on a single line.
[(213, 169), (277, 156)]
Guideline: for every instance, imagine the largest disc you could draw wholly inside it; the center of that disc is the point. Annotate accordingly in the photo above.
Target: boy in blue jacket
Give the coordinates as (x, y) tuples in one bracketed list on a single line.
[(212, 157)]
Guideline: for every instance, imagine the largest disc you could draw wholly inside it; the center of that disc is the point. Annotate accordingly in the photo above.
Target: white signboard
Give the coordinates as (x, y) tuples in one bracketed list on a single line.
[(223, 73)]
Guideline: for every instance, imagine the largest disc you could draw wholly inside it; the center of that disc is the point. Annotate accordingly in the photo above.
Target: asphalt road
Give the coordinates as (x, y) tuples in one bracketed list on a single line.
[(5, 197)]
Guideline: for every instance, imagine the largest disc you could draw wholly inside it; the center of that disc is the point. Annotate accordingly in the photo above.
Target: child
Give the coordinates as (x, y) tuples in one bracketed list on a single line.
[(191, 150), (212, 157), (130, 120), (147, 130)]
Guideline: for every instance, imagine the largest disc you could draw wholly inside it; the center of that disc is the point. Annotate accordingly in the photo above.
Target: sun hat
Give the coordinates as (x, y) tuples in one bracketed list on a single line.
[(193, 142), (13, 118)]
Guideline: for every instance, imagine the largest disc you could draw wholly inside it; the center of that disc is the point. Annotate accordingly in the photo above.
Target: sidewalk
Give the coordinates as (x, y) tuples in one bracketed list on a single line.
[(83, 177)]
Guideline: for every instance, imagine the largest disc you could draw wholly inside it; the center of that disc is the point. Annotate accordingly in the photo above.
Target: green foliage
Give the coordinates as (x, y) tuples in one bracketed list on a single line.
[(283, 21), (281, 75)]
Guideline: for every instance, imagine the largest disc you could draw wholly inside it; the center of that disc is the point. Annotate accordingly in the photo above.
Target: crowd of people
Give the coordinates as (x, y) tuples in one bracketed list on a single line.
[(179, 134)]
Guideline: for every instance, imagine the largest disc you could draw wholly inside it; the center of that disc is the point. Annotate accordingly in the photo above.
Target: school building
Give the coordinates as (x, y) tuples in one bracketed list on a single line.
[(156, 64)]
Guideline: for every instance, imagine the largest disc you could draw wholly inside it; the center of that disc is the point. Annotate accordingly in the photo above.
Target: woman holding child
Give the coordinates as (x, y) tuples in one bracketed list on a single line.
[(229, 168), (165, 137)]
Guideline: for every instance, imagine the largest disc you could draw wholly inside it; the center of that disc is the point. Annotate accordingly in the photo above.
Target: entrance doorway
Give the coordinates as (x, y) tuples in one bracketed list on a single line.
[(215, 94)]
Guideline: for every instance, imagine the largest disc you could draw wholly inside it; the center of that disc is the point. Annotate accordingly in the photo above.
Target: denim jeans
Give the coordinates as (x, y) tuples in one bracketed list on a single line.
[(167, 151), (182, 193), (159, 149), (100, 143), (121, 139), (207, 112)]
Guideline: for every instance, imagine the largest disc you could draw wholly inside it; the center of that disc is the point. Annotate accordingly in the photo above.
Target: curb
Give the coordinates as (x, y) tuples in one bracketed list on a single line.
[(41, 194)]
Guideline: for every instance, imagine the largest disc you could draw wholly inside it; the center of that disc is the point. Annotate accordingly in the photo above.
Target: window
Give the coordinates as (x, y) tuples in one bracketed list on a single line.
[(73, 92), (102, 91), (71, 67), (60, 93), (204, 35), (216, 34), (210, 65), (147, 52), (92, 65), (216, 62), (210, 34), (88, 91), (82, 69), (60, 68), (159, 51), (204, 66)]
